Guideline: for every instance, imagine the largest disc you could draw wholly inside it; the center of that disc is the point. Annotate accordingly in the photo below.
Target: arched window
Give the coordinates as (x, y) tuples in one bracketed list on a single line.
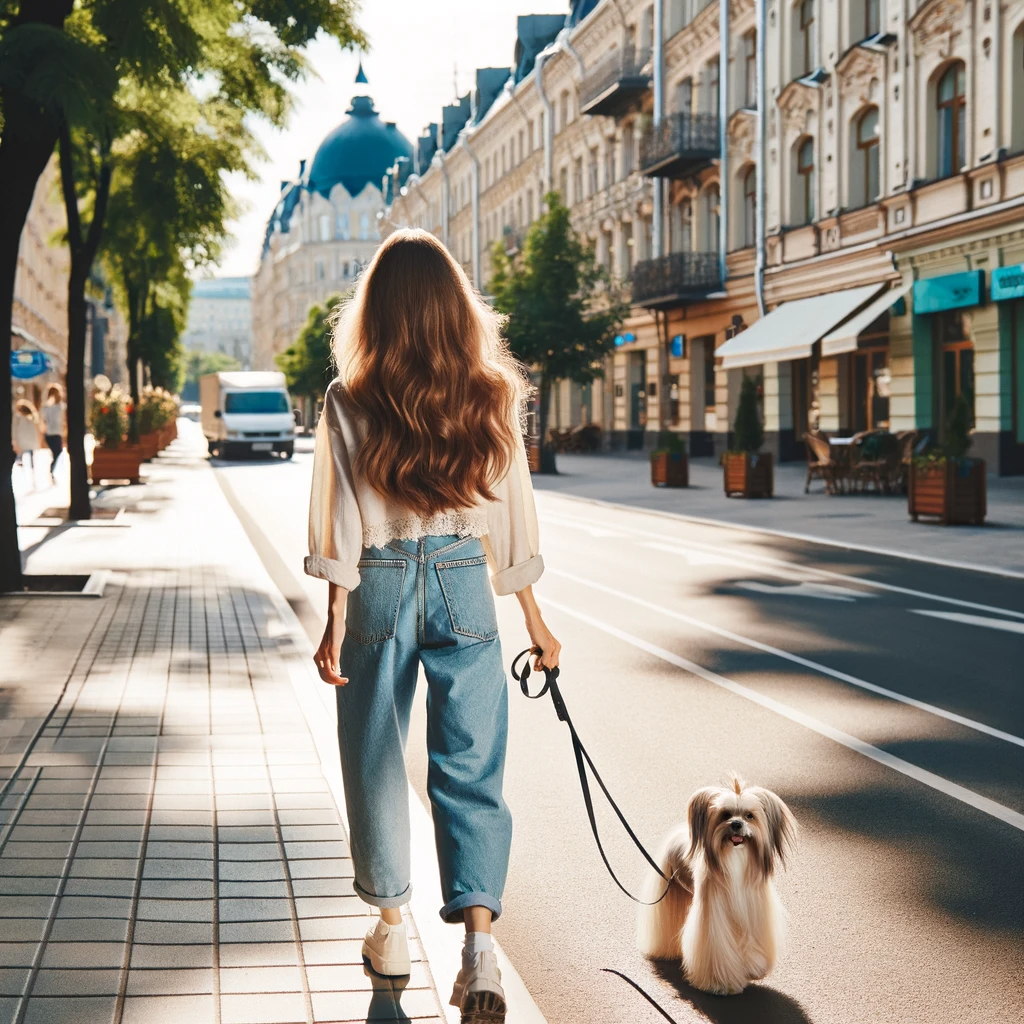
[(750, 70), (1017, 92), (750, 207), (807, 39), (951, 121), (803, 194), (864, 173), (710, 211)]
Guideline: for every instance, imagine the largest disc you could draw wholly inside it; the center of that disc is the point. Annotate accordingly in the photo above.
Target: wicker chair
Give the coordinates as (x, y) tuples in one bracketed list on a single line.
[(820, 464)]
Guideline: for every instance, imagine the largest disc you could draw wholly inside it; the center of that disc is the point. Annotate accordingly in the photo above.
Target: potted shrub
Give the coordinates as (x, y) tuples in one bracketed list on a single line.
[(669, 465), (156, 409), (945, 483), (112, 458), (747, 471)]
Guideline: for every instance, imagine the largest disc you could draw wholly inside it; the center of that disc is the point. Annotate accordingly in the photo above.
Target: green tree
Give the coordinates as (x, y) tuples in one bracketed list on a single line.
[(747, 432), (562, 306), (308, 363), (198, 364), (68, 68)]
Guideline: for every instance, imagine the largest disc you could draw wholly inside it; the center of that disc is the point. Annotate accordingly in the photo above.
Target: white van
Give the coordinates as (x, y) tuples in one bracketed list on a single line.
[(247, 411)]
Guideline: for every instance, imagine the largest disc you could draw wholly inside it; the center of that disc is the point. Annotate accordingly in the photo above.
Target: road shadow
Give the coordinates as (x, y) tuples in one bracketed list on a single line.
[(757, 1003)]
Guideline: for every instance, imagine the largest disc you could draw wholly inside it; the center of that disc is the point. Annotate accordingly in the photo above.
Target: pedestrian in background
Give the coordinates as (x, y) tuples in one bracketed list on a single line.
[(54, 416), (420, 479), (26, 428)]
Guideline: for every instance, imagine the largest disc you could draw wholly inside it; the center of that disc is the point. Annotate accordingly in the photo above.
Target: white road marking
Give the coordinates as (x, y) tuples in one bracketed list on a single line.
[(973, 620), (819, 591), (579, 524), (815, 666), (883, 757), (790, 567), (810, 538)]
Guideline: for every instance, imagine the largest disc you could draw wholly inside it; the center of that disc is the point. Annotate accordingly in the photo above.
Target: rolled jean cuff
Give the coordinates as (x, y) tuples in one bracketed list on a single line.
[(383, 901), (451, 911)]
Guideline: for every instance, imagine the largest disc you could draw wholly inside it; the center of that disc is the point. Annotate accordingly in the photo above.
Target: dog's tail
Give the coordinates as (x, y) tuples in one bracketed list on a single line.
[(660, 927)]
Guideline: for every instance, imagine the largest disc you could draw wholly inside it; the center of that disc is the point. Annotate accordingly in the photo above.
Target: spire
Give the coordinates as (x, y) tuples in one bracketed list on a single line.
[(361, 78)]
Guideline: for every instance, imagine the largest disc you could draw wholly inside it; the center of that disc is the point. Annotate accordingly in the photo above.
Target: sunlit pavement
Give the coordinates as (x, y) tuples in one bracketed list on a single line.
[(880, 697)]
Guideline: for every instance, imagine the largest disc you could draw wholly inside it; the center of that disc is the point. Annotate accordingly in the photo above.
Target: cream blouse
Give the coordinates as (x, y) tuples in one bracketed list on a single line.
[(347, 515)]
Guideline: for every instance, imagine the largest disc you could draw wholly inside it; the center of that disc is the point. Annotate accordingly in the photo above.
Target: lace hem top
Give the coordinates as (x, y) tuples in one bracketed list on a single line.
[(346, 515)]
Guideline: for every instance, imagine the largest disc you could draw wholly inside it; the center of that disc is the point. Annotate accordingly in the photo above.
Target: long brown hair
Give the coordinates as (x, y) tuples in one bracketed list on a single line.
[(427, 371)]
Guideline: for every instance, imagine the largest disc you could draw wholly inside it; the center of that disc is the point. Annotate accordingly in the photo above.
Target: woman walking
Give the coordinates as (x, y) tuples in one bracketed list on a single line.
[(420, 481), (25, 430), (53, 422)]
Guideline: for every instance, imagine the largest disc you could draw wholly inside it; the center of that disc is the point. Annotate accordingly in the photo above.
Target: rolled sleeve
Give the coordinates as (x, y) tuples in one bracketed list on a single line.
[(513, 541), (335, 523)]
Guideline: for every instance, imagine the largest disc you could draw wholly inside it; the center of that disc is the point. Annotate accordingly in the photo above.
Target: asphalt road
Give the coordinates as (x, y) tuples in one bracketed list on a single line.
[(882, 699)]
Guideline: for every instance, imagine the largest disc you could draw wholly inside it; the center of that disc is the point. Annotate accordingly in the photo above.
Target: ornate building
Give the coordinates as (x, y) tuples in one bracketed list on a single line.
[(220, 318), (832, 201), (325, 227)]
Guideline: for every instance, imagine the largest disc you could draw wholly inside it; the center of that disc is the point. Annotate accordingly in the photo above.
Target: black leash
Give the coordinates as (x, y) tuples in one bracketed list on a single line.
[(583, 761), (646, 995)]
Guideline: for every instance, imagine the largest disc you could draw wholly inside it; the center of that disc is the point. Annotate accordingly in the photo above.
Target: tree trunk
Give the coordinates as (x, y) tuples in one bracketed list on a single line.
[(547, 449), (80, 507)]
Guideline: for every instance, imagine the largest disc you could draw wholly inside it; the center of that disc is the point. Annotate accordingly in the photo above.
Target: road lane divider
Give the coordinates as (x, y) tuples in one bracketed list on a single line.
[(973, 620), (797, 659), (787, 568), (873, 753)]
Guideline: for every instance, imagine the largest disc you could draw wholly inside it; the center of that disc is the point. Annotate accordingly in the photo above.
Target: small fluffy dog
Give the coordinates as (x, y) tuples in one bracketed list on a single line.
[(721, 914)]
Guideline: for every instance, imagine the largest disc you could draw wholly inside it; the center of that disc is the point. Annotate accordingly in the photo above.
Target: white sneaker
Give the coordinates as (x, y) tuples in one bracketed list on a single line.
[(478, 992), (387, 948)]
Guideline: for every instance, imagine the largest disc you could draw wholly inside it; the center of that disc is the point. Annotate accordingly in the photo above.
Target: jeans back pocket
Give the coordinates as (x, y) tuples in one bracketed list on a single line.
[(467, 593), (371, 614)]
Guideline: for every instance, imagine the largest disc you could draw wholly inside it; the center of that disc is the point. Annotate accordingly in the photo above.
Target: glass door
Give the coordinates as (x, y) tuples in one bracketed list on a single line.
[(956, 364)]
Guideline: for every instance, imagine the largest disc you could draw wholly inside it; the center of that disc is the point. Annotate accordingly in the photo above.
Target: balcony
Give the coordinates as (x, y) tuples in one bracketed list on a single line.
[(680, 146), (674, 279), (616, 84)]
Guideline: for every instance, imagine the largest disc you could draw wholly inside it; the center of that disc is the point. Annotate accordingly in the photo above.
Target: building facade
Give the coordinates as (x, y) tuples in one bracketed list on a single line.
[(39, 321), (220, 318), (325, 227), (831, 201)]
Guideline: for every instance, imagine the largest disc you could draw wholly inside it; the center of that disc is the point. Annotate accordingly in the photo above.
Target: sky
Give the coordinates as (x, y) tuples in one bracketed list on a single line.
[(422, 54)]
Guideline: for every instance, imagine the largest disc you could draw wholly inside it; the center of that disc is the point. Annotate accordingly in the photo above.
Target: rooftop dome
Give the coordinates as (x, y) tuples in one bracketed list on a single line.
[(359, 151)]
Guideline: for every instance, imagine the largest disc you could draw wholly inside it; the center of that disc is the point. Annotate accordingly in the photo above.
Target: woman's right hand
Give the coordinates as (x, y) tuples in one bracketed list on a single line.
[(546, 647), (329, 652)]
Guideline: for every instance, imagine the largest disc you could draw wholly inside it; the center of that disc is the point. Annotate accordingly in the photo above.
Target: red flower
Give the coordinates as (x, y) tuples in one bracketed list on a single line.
[(104, 409)]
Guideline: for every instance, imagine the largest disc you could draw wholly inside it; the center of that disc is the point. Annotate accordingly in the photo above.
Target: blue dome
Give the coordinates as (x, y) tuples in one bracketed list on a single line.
[(358, 151)]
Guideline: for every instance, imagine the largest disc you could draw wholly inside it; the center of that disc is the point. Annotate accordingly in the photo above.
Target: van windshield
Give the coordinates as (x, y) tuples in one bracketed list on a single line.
[(255, 401)]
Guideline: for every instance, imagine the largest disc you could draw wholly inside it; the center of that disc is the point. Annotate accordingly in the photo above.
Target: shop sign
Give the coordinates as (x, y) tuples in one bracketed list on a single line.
[(677, 346), (27, 363), (1008, 283), (952, 291)]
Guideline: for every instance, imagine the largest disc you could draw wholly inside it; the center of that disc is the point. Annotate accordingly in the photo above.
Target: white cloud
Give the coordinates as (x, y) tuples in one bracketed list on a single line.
[(415, 48)]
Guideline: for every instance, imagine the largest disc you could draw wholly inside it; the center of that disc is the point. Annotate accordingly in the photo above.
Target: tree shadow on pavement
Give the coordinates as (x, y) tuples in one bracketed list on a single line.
[(757, 1003)]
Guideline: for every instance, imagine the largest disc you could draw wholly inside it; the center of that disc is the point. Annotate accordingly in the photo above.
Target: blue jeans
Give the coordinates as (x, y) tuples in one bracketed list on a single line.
[(426, 601)]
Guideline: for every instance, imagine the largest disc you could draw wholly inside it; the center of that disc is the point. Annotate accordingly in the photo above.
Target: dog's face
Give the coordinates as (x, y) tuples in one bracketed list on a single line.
[(722, 818)]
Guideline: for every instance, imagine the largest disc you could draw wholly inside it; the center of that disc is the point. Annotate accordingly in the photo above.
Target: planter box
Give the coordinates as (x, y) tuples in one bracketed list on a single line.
[(670, 469), (749, 476), (952, 490), (121, 463), (533, 456), (149, 444)]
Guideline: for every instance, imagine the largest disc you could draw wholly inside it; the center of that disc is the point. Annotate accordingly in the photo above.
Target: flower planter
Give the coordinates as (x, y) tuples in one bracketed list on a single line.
[(670, 469), (121, 463), (953, 490), (748, 475), (533, 456), (164, 436), (173, 428), (149, 444)]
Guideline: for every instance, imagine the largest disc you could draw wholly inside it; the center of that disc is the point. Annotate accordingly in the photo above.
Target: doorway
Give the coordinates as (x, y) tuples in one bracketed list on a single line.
[(637, 399), (801, 371), (955, 352)]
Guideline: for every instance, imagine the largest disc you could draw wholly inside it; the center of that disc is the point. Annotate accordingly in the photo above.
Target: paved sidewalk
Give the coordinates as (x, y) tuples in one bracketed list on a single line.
[(868, 520), (170, 850)]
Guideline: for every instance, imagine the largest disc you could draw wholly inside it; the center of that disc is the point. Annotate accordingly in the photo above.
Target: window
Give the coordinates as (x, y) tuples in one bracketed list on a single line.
[(563, 184), (710, 211), (951, 113), (364, 225), (711, 87), (803, 206), (680, 227), (529, 136), (750, 207), (325, 227), (577, 179), (529, 206), (609, 163), (522, 153), (684, 96), (956, 363), (627, 150), (320, 273), (872, 17), (750, 70), (563, 110), (864, 182), (592, 172), (807, 39)]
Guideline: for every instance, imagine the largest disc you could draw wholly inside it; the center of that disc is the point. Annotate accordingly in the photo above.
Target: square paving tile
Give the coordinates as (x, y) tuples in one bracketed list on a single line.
[(177, 956), (259, 954), (353, 1006), (67, 982), (12, 980), (260, 979), (194, 1009), (194, 981), (70, 1010), (265, 1008)]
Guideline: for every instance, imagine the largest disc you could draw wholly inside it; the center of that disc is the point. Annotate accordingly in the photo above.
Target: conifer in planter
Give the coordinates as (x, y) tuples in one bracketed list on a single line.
[(946, 483), (669, 464), (746, 470)]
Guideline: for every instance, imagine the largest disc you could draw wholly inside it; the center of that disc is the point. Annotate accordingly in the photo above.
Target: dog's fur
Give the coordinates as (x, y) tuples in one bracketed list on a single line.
[(721, 915)]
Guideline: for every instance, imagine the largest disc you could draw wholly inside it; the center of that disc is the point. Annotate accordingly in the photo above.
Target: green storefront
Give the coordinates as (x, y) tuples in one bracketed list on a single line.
[(1007, 291)]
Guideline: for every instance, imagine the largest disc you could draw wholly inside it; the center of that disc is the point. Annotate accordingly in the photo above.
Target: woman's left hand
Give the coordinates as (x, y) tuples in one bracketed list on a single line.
[(329, 652)]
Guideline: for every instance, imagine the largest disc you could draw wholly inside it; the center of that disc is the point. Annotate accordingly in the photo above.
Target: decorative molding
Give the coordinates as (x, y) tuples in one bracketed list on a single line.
[(741, 128)]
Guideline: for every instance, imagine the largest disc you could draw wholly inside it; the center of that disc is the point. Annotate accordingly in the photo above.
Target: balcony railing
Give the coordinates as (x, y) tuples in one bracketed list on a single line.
[(679, 146), (676, 278), (616, 84)]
